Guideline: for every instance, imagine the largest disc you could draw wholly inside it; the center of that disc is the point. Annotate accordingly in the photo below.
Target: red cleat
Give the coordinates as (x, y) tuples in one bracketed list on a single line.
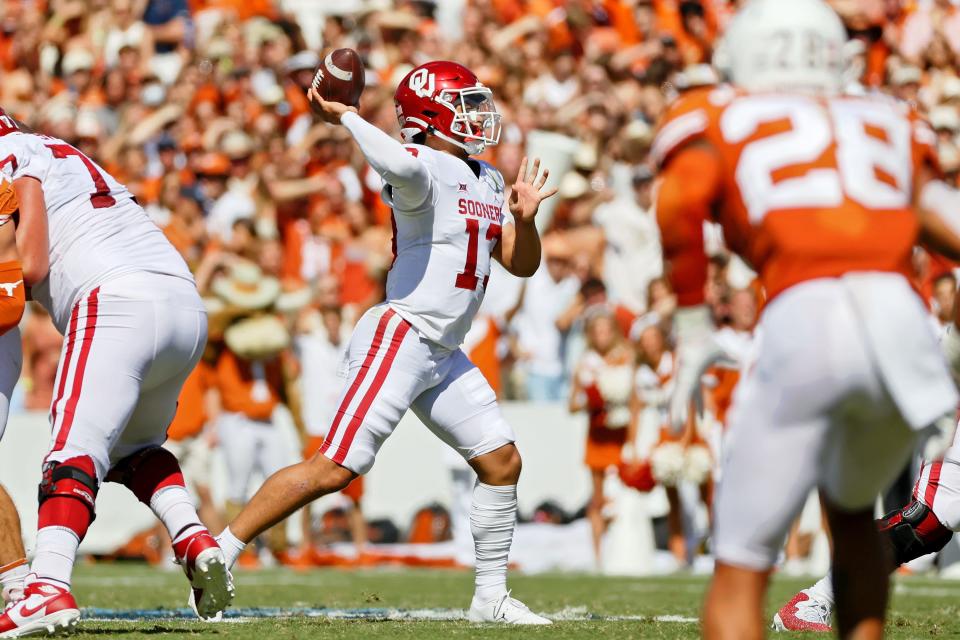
[(206, 568), (43, 610), (804, 612)]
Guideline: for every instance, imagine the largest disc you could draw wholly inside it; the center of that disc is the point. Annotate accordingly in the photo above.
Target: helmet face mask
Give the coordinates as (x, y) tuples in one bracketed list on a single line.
[(447, 100), (475, 118)]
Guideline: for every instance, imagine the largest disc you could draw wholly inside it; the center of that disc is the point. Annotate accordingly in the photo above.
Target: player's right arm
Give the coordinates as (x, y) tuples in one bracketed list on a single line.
[(32, 238), (395, 163)]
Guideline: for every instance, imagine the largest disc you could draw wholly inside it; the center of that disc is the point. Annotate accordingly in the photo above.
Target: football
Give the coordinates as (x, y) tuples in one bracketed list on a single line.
[(340, 77)]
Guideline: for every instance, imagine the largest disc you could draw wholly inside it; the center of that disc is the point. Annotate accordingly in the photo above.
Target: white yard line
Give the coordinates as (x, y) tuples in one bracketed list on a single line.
[(574, 614)]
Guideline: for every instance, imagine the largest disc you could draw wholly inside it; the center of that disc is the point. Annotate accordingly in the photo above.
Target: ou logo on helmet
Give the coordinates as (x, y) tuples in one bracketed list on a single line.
[(423, 83)]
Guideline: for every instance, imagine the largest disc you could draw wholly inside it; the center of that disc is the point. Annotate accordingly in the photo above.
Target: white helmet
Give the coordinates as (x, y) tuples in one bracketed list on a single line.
[(784, 45)]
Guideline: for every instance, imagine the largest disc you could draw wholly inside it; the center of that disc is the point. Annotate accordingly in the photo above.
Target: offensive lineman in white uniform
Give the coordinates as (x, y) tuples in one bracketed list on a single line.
[(135, 327), (448, 215)]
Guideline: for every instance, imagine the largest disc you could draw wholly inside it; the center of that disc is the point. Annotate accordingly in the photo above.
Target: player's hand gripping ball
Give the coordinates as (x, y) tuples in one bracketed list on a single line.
[(340, 77)]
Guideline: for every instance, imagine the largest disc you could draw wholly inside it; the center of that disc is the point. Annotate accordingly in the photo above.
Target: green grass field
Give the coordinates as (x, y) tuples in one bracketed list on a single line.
[(591, 605)]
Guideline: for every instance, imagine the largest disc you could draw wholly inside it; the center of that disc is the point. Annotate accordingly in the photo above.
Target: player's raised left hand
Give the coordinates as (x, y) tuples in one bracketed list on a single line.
[(527, 192), (328, 111)]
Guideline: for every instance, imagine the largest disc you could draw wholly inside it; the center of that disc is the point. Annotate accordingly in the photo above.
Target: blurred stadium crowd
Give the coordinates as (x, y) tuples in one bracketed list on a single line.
[(198, 106)]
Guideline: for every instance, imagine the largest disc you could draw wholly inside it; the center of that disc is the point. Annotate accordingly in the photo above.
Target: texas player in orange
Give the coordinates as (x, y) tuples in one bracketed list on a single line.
[(13, 562), (819, 193)]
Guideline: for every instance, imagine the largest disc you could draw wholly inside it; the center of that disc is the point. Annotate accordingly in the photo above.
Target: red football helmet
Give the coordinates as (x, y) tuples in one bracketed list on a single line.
[(7, 124), (447, 100)]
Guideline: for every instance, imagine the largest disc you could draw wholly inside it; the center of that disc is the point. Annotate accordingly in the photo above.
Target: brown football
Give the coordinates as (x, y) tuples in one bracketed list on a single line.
[(340, 77)]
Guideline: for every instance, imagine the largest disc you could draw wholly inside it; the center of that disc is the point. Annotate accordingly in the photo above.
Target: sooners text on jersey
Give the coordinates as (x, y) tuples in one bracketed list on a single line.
[(443, 251)]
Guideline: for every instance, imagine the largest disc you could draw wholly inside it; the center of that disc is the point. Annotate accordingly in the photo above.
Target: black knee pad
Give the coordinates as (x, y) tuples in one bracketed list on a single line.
[(145, 470), (912, 532), (70, 479)]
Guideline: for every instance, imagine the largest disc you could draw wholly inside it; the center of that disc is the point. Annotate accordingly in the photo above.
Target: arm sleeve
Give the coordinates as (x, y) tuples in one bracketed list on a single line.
[(689, 185), (397, 165)]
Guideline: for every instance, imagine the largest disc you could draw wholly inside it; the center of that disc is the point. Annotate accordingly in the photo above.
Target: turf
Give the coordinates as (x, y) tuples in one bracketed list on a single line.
[(921, 607)]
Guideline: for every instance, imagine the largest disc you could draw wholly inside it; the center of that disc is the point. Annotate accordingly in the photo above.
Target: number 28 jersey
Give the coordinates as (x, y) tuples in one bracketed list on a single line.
[(807, 187), (96, 229), (442, 250)]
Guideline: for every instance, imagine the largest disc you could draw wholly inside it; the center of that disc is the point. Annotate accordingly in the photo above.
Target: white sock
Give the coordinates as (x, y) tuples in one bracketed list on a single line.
[(55, 555), (11, 579), (823, 589), (174, 506), (493, 515), (231, 545)]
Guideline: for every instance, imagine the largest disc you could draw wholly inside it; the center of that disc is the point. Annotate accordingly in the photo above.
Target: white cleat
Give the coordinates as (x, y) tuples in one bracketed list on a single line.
[(504, 610), (44, 610), (804, 612), (210, 581)]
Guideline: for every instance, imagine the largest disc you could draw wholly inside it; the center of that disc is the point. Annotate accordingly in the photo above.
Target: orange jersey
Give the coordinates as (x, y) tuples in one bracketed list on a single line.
[(803, 187), (244, 389)]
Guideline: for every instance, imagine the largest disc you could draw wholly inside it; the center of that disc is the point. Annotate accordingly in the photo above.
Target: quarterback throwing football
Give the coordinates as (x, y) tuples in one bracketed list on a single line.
[(448, 218)]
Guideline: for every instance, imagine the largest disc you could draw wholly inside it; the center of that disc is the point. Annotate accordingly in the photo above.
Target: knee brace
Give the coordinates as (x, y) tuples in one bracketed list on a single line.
[(146, 472), (74, 478), (912, 532)]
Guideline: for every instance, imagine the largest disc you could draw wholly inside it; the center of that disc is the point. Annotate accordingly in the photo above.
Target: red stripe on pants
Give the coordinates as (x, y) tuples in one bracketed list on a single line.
[(361, 375), (932, 484), (395, 342), (65, 365), (90, 328)]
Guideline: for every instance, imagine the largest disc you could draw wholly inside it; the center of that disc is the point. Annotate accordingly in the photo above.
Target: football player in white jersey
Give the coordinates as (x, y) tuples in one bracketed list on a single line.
[(134, 328), (448, 218)]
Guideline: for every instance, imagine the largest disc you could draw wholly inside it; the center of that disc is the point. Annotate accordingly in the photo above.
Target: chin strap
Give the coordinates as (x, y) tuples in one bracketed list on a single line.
[(473, 147)]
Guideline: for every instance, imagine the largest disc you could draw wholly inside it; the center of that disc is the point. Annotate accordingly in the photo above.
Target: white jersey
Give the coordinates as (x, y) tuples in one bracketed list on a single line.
[(443, 247), (97, 231)]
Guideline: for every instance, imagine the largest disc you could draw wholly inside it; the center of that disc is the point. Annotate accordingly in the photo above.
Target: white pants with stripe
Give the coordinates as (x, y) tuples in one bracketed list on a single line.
[(249, 446), (11, 361), (815, 409), (938, 486), (391, 368), (129, 346)]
